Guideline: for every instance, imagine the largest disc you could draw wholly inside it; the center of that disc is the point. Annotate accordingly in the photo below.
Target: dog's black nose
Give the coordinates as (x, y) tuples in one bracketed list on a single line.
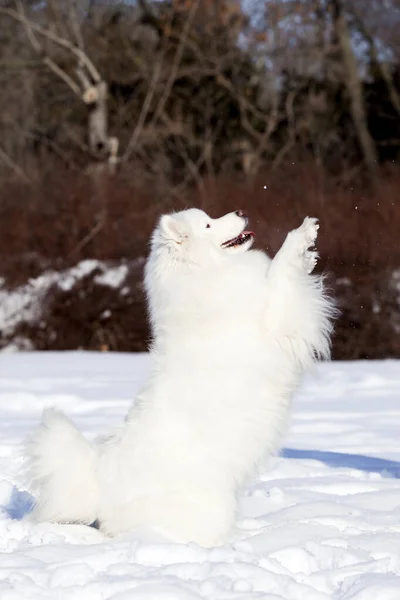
[(240, 213)]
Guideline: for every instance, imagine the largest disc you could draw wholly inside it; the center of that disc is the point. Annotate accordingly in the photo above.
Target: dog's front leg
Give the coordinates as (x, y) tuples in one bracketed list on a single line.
[(298, 311)]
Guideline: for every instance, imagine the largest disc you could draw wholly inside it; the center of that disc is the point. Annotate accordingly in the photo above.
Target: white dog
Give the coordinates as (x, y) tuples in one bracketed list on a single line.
[(233, 332)]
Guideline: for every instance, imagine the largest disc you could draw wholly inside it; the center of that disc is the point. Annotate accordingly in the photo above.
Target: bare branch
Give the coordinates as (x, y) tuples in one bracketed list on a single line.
[(144, 111), (39, 49), (62, 75), (89, 236), (12, 165), (177, 59), (73, 18), (56, 39)]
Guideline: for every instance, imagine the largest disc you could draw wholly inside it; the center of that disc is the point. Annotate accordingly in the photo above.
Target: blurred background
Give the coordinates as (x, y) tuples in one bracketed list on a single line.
[(112, 113)]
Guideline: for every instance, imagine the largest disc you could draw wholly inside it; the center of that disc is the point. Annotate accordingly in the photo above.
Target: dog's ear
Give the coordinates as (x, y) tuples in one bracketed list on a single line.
[(172, 229)]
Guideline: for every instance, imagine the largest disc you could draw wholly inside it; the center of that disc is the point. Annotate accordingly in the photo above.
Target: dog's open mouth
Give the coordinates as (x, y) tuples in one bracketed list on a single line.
[(244, 237)]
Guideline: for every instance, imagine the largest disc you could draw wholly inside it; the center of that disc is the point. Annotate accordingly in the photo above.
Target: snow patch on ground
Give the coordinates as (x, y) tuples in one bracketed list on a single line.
[(322, 520), (67, 279), (113, 277), (25, 303)]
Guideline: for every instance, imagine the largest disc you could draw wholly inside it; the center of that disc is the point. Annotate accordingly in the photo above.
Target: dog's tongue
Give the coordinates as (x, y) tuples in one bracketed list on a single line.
[(240, 239), (245, 233)]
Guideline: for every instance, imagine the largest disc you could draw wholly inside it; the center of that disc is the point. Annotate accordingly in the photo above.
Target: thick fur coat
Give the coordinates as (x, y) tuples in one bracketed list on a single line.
[(233, 332)]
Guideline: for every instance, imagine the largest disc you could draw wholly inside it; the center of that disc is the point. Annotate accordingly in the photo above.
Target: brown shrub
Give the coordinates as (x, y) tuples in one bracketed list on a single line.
[(92, 316), (369, 306)]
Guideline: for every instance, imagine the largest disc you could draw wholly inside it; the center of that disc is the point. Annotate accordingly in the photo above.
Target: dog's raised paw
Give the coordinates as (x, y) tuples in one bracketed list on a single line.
[(301, 240), (309, 228)]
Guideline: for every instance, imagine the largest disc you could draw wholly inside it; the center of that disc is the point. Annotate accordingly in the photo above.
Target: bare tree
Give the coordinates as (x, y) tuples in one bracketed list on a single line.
[(354, 86), (85, 81), (197, 87)]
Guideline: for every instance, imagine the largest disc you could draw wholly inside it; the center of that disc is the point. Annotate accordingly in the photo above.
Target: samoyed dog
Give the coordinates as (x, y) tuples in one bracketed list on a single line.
[(233, 332)]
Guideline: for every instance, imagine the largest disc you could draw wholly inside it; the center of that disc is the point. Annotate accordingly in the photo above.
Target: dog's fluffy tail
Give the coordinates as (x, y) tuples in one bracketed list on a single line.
[(61, 466)]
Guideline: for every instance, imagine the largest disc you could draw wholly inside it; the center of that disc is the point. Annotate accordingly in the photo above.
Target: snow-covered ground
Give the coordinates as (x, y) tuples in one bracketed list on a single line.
[(321, 521)]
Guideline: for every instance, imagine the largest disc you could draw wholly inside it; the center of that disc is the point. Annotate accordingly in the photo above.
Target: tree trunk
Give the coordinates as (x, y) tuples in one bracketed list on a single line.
[(96, 99), (354, 88)]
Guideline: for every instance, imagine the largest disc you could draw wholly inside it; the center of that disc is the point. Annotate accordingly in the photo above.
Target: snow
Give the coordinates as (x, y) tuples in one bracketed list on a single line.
[(320, 521), (113, 277), (25, 303), (67, 279)]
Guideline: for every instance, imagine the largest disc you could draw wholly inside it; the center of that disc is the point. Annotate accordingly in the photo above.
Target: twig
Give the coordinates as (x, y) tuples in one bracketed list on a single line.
[(144, 111), (13, 165), (73, 18), (92, 233)]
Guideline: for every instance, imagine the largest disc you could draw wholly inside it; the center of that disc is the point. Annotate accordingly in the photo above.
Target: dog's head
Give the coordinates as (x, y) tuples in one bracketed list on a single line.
[(194, 236)]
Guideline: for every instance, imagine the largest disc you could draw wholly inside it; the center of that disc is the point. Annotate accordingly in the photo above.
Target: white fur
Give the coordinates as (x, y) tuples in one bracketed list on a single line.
[(233, 332)]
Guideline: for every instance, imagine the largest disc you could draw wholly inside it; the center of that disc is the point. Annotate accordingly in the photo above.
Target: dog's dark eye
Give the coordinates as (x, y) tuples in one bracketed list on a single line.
[(208, 225)]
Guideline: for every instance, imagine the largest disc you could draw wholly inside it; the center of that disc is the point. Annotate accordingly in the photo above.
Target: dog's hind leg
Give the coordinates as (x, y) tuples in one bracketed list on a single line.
[(61, 466), (299, 311)]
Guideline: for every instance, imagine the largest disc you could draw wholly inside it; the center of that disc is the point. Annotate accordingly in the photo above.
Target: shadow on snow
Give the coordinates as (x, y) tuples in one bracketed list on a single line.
[(369, 464), (19, 505)]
